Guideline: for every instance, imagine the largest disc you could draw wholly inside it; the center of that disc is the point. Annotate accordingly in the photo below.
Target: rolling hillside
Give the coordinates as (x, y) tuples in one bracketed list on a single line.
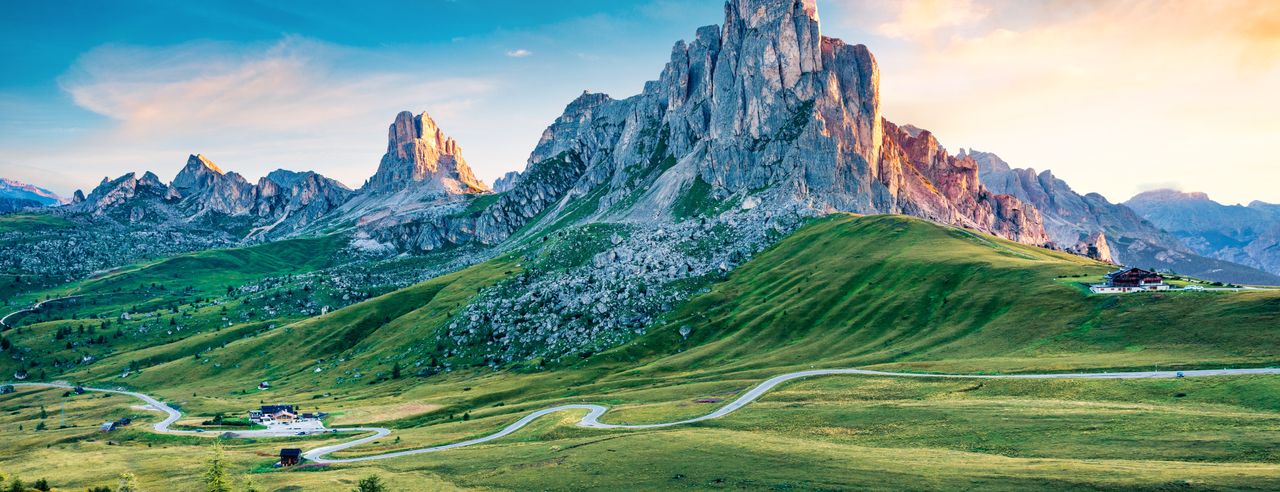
[(901, 292), (878, 291)]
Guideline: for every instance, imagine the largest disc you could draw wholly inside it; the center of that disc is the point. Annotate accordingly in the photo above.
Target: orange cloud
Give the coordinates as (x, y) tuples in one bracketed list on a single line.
[(1107, 94)]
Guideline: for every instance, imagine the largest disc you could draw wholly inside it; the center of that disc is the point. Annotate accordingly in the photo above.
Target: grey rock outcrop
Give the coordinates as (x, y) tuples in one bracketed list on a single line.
[(506, 181), (1095, 246)]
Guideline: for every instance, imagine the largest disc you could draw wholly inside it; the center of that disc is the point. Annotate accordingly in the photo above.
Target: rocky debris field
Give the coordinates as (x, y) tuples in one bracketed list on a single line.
[(594, 287)]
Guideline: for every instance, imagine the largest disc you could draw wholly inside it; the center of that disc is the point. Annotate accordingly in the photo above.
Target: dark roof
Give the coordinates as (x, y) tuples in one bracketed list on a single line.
[(290, 453), (277, 408), (1131, 271), (1133, 277)]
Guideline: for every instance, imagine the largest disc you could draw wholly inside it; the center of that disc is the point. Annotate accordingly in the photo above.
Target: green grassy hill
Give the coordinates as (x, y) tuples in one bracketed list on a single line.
[(899, 292), (880, 291)]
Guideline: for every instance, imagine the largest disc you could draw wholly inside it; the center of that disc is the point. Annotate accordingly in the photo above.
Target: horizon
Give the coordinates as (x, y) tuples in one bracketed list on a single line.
[(283, 87)]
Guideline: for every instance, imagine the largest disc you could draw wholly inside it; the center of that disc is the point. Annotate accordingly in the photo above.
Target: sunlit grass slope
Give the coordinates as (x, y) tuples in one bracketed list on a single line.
[(901, 292)]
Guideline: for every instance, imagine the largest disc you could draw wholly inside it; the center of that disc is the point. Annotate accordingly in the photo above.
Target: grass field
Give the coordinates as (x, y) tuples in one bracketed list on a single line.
[(885, 292), (30, 222)]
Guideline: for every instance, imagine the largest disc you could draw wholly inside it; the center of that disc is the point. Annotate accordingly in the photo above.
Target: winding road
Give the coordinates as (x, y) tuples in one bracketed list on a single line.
[(594, 412), (34, 307)]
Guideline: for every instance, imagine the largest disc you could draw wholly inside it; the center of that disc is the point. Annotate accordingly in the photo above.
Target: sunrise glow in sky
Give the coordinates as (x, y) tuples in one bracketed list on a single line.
[(1114, 96)]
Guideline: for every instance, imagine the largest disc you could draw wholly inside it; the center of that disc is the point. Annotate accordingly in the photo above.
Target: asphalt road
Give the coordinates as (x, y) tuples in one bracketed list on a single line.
[(594, 412), (34, 307)]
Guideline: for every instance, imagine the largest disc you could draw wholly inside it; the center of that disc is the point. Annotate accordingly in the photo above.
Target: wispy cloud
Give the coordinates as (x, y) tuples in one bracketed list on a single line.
[(295, 103), (519, 53), (921, 18)]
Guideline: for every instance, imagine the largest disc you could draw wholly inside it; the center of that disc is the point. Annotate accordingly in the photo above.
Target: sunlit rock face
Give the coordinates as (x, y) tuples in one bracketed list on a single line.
[(766, 106), (420, 155)]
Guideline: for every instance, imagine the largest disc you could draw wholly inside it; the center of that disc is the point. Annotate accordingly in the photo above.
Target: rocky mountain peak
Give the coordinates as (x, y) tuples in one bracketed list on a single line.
[(506, 181), (781, 38), (197, 175), (419, 154), (762, 103)]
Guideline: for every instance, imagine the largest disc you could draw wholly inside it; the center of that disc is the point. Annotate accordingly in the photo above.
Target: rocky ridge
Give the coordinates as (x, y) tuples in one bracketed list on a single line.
[(1248, 235), (1079, 223), (506, 181), (278, 204)]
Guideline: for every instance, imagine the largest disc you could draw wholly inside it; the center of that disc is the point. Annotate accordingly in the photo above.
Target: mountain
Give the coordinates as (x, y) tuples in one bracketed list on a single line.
[(202, 195), (419, 154), (421, 184), (202, 187), (10, 205), (1078, 222), (1248, 235), (16, 195), (129, 199), (763, 111), (10, 188)]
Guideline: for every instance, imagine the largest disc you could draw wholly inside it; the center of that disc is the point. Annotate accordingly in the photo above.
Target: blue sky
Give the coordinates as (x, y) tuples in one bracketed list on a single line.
[(1115, 97)]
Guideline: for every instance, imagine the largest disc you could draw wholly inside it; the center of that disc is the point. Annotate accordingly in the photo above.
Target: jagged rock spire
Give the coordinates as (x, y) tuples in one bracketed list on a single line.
[(199, 174), (419, 154)]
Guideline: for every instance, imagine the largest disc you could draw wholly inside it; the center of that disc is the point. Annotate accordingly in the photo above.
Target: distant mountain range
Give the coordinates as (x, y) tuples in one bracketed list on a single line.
[(1131, 236), (16, 195), (761, 113), (1248, 235)]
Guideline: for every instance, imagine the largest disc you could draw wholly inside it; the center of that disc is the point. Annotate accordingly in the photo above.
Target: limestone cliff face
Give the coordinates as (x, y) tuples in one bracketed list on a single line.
[(763, 105), (419, 154), (929, 182)]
